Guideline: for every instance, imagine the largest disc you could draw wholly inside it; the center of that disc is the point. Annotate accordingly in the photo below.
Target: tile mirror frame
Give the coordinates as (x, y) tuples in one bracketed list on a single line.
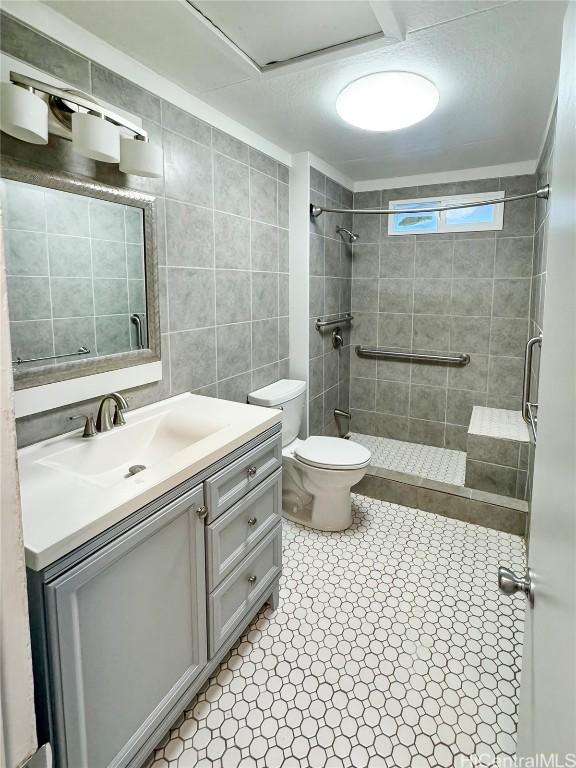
[(65, 182)]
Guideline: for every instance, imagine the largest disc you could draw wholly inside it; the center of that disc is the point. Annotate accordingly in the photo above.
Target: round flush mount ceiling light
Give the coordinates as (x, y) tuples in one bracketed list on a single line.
[(387, 101)]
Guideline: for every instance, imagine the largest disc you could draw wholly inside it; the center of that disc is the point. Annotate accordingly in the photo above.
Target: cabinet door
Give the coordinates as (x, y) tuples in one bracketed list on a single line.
[(127, 634)]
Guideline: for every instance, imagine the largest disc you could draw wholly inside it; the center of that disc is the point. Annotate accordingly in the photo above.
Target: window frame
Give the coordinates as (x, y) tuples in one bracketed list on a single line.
[(442, 200)]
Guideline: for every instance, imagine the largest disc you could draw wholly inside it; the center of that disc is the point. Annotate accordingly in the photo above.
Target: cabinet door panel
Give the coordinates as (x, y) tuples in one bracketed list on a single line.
[(128, 635)]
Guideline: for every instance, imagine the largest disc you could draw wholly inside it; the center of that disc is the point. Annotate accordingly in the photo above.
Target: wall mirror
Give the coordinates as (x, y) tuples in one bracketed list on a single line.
[(82, 277)]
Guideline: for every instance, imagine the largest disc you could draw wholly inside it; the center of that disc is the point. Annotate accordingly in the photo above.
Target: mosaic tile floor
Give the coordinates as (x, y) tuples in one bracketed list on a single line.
[(427, 461), (391, 647)]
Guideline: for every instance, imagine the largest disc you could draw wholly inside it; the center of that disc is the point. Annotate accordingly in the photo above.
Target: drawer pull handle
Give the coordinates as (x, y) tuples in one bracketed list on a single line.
[(252, 472), (202, 512), (252, 521), (252, 579)]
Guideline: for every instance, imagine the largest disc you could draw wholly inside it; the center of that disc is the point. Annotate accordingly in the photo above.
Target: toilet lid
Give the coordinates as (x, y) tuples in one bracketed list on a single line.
[(332, 453)]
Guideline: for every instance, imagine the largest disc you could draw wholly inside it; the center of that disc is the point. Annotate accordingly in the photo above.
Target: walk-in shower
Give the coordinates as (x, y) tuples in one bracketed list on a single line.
[(439, 324)]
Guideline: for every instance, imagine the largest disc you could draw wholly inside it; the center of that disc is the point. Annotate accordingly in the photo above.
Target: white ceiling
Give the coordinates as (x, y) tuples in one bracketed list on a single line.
[(494, 63), (260, 29)]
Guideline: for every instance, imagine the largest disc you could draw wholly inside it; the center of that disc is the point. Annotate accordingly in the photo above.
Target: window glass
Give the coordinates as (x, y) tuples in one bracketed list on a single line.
[(415, 222), (414, 217), (479, 214)]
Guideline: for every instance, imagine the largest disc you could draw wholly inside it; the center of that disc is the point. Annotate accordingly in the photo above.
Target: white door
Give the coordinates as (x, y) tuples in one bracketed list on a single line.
[(547, 718)]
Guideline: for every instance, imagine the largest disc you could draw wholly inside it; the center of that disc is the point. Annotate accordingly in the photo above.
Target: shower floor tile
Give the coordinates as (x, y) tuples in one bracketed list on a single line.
[(427, 461), (391, 646)]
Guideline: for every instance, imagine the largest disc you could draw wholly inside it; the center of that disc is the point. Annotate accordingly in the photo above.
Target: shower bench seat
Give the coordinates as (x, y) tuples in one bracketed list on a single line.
[(497, 452)]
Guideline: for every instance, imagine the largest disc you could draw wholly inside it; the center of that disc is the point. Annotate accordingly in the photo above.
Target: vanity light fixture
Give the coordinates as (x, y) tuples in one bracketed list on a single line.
[(96, 132), (23, 115), (95, 137), (140, 157), (387, 101)]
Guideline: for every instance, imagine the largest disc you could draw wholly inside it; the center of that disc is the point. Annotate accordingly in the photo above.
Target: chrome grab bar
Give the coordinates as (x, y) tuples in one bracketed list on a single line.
[(321, 323), (136, 318), (416, 357), (527, 406), (82, 351)]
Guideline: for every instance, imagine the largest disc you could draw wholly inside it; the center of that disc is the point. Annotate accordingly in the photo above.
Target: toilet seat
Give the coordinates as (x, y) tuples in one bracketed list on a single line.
[(332, 453)]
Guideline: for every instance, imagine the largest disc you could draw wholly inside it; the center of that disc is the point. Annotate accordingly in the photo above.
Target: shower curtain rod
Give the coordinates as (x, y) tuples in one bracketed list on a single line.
[(543, 192)]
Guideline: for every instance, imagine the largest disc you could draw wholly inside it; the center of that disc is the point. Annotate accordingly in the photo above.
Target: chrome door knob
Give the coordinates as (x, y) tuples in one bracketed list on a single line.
[(202, 512), (251, 471), (509, 583), (252, 579), (252, 521)]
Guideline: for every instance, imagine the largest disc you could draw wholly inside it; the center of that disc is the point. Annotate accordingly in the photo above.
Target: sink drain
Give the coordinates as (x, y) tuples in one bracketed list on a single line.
[(135, 468)]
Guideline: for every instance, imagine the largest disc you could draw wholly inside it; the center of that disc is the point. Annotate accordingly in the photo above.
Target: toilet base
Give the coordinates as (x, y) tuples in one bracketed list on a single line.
[(328, 512), (318, 498)]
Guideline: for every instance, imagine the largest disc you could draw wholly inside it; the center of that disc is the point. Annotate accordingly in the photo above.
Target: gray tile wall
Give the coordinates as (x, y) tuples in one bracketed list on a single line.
[(330, 295), (496, 465), (544, 176), (223, 238), (464, 292), (75, 272)]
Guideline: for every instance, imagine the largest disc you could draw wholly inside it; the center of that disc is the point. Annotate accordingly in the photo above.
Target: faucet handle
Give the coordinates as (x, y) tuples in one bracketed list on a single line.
[(89, 426), (119, 419), (121, 405)]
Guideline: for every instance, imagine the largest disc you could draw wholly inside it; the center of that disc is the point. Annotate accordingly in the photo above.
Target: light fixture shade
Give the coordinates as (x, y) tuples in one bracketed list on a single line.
[(140, 157), (387, 101), (23, 115), (95, 137)]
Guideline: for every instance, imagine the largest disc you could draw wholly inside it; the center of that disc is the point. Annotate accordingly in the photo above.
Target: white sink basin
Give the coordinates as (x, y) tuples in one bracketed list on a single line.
[(73, 488), (106, 459)]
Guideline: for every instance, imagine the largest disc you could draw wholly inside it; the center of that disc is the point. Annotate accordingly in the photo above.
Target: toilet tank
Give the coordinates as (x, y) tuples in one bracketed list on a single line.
[(290, 396)]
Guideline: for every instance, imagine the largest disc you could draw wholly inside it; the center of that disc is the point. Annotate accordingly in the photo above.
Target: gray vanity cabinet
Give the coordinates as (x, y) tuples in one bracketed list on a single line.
[(129, 626), (127, 633)]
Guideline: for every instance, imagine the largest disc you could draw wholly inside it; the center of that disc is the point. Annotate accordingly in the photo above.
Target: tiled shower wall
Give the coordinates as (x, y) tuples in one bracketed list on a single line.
[(544, 176), (330, 295), (223, 238), (444, 293)]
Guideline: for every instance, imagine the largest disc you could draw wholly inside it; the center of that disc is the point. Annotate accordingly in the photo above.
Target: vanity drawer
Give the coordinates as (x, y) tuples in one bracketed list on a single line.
[(244, 587), (231, 537), (230, 484)]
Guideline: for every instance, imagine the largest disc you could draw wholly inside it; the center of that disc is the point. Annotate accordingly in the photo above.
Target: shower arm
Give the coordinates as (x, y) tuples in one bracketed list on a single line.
[(543, 192)]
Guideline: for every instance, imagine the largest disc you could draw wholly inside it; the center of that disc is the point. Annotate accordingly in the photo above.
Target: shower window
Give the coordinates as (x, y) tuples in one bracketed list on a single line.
[(414, 223), (473, 219)]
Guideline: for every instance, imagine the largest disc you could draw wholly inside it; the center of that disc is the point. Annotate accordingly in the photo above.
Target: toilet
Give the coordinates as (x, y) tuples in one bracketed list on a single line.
[(319, 472)]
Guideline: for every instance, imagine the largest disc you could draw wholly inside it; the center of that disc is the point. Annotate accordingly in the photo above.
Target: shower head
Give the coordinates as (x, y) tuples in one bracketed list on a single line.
[(350, 236)]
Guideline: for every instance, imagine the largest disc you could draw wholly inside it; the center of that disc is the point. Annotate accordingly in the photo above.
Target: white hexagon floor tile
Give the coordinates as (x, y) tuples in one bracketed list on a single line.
[(392, 646), (427, 461)]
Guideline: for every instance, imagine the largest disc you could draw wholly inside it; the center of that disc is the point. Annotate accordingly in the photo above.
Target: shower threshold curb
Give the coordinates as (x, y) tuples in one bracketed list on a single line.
[(501, 513)]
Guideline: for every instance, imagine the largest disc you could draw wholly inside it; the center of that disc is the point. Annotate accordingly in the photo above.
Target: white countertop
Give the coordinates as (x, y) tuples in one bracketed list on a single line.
[(64, 507)]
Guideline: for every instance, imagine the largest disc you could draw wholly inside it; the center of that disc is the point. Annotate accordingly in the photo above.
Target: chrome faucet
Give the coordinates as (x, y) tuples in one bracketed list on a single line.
[(108, 419)]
